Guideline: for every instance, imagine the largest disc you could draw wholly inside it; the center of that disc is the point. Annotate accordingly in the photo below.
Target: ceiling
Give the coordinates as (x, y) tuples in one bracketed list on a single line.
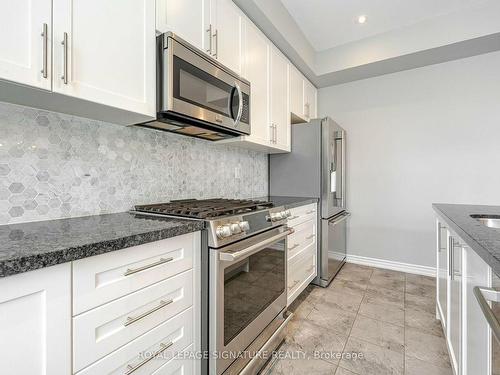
[(330, 23)]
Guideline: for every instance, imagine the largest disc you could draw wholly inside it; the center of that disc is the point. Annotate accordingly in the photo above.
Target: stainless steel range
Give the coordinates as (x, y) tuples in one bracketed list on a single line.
[(247, 277)]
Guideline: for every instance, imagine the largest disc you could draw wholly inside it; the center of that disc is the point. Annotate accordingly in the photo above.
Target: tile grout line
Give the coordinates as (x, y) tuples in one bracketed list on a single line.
[(349, 334)]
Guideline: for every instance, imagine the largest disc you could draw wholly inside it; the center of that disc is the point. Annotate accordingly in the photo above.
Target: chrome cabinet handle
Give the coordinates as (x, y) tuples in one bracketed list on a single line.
[(209, 31), (131, 271), (483, 295), (294, 246), (64, 77), (216, 36), (311, 236), (130, 320), (133, 368), (310, 212), (45, 36)]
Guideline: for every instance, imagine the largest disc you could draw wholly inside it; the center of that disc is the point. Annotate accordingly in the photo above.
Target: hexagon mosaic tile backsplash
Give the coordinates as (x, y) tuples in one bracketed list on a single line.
[(54, 166)]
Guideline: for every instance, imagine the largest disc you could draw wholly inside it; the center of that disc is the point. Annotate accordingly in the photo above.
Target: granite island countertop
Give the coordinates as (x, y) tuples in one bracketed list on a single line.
[(483, 240), (29, 246)]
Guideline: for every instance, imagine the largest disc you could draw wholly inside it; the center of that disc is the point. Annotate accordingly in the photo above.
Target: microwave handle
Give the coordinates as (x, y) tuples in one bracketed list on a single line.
[(233, 257), (240, 107)]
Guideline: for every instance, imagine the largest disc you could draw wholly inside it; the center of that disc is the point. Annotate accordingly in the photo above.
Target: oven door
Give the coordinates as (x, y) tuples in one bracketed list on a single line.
[(247, 291)]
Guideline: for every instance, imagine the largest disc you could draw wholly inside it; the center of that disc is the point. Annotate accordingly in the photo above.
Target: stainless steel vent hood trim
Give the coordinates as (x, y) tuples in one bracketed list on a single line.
[(182, 116)]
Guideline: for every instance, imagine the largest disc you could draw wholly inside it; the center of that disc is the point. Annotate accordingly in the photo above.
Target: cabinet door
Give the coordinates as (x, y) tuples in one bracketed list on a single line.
[(186, 18), (455, 303), (257, 72), (296, 95), (24, 51), (309, 100), (227, 35), (280, 118), (110, 56), (35, 321), (442, 272), (476, 336)]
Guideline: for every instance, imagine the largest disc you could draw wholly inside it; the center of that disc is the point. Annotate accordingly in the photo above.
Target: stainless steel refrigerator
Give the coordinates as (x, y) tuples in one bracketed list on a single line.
[(316, 168)]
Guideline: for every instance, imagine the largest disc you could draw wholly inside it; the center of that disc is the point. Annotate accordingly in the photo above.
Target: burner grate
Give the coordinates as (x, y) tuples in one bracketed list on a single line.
[(204, 209)]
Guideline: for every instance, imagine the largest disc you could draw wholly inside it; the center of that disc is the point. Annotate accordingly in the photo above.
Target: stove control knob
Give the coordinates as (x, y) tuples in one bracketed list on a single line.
[(244, 225), (281, 215), (235, 228), (223, 231), (288, 213)]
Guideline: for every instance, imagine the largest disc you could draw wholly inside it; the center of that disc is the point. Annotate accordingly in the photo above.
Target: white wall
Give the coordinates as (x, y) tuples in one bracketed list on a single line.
[(416, 137)]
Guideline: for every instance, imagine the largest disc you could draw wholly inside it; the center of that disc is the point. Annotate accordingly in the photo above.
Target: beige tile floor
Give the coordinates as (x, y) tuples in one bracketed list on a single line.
[(387, 316)]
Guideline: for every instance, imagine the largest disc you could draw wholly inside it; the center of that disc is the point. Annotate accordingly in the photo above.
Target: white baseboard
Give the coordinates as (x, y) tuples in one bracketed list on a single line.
[(391, 265)]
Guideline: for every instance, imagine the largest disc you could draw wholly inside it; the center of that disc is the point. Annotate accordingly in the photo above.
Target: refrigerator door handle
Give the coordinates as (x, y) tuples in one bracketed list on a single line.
[(340, 219), (340, 194)]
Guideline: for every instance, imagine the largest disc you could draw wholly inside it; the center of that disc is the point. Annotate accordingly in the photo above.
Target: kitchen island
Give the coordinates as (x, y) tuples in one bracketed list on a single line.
[(468, 261)]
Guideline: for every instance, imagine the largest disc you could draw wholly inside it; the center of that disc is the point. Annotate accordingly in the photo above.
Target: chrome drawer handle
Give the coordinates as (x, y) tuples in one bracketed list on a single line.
[(294, 246), (310, 212), (131, 320), (311, 236), (131, 369), (131, 271)]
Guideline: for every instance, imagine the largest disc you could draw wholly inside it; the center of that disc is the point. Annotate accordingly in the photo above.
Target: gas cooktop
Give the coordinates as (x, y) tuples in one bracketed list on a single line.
[(205, 209)]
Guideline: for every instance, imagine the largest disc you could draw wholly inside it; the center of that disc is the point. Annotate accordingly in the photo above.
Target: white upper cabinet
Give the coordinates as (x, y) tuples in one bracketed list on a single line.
[(296, 95), (310, 100), (280, 115), (172, 15), (104, 52), (303, 97), (257, 72), (25, 52), (35, 321), (226, 34)]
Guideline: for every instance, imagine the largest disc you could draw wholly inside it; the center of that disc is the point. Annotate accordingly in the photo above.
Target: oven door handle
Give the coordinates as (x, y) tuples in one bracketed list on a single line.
[(233, 257)]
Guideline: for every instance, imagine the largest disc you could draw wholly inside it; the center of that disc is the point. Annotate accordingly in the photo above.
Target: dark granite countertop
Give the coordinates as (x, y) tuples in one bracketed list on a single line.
[(29, 246), (288, 202), (483, 240)]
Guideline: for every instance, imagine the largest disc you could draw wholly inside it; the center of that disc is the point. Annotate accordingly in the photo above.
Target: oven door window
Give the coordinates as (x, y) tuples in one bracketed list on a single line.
[(197, 87), (250, 286)]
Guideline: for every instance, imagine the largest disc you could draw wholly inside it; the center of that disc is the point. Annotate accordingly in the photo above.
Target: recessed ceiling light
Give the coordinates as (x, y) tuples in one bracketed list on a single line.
[(362, 19)]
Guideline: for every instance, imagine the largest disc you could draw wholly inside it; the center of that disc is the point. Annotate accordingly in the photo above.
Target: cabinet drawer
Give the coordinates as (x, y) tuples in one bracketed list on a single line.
[(106, 328), (304, 235), (181, 365), (302, 213), (103, 278), (159, 345), (302, 267)]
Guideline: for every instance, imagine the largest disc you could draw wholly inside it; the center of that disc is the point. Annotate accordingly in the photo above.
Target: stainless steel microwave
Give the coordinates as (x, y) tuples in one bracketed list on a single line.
[(196, 95)]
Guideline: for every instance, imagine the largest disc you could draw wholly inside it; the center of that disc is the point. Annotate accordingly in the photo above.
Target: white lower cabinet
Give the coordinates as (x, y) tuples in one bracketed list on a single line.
[(134, 311), (106, 328), (468, 335), (455, 316), (476, 335), (302, 250), (150, 351), (35, 322)]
